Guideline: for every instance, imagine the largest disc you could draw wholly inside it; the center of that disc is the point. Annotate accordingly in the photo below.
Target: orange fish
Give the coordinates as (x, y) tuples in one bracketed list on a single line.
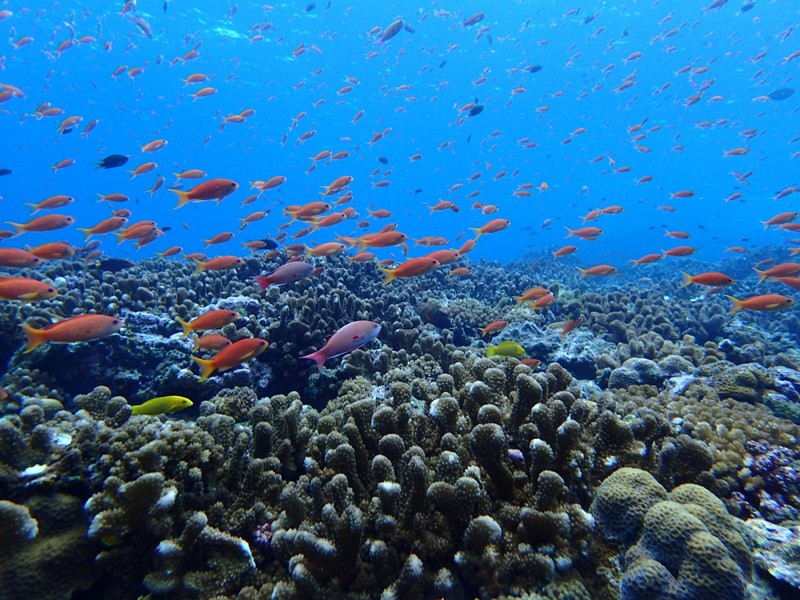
[(679, 251), (531, 294), (647, 259), (543, 302), (214, 319), (154, 145), (338, 185), (783, 270), (585, 233), (328, 249), (711, 279), (565, 251), (220, 238), (16, 258), (460, 272), (598, 271), (312, 209), (52, 251), (780, 219), (25, 290), (43, 223), (51, 202), (492, 227), (570, 325), (211, 341), (82, 328), (231, 356), (767, 302), (214, 189), (382, 240), (445, 257), (411, 268), (219, 263), (493, 327), (105, 226)]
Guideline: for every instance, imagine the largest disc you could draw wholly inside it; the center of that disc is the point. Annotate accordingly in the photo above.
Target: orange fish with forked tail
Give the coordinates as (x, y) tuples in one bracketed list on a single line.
[(491, 227), (767, 302), (25, 289), (215, 319), (82, 328), (493, 327), (214, 189), (710, 279), (411, 268), (231, 356)]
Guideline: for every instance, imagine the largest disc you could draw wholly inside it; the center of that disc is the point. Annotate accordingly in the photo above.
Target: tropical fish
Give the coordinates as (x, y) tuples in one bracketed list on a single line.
[(214, 319), (348, 338), (288, 273), (82, 328), (162, 405), (507, 348), (231, 356), (25, 289), (411, 268), (493, 327), (712, 279), (767, 302), (214, 189)]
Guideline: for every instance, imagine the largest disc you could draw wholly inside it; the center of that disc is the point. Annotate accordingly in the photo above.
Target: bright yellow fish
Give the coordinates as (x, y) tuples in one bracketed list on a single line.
[(162, 405)]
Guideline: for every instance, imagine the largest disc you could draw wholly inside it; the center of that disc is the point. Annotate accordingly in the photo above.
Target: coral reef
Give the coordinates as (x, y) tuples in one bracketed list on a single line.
[(414, 467)]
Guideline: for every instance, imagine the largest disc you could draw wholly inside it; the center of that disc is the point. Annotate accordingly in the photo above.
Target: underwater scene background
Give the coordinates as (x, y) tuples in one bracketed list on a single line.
[(372, 300)]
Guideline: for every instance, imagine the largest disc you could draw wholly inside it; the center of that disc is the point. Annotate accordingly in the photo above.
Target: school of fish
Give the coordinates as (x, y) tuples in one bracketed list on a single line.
[(307, 188)]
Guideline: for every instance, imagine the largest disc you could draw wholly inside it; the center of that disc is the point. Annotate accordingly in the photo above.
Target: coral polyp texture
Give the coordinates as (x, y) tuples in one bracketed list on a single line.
[(623, 467)]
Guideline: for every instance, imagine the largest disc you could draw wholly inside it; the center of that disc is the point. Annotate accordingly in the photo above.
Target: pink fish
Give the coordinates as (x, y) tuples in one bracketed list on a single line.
[(347, 339), (288, 273)]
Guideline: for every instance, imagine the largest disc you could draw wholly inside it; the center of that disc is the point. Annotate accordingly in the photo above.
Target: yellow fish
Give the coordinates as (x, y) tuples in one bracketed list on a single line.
[(506, 349), (162, 405)]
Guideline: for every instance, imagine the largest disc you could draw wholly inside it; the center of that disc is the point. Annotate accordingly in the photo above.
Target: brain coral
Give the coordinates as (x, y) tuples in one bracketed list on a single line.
[(688, 547)]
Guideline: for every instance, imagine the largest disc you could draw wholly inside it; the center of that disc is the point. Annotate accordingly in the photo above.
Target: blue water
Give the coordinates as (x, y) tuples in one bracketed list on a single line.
[(263, 75)]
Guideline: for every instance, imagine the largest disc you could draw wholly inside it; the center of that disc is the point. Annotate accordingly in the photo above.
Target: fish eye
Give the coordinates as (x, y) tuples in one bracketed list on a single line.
[(115, 321)]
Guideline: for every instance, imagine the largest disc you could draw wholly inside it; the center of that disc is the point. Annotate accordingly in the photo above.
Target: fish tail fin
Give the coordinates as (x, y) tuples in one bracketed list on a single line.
[(583, 272), (200, 266), (187, 328), (490, 352), (687, 279), (479, 230), (664, 252), (20, 229), (183, 197), (35, 337), (519, 301), (390, 275), (766, 225), (736, 305), (120, 237), (263, 282), (35, 207), (318, 357), (86, 232), (207, 367), (762, 275), (571, 233)]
